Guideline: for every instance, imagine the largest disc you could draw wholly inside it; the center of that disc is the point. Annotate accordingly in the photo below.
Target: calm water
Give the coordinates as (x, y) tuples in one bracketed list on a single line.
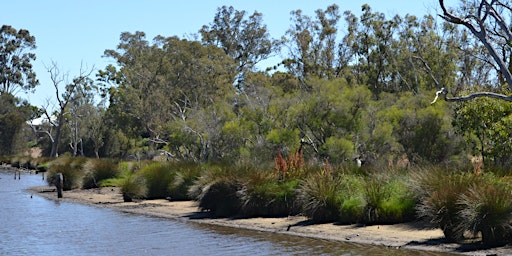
[(32, 225)]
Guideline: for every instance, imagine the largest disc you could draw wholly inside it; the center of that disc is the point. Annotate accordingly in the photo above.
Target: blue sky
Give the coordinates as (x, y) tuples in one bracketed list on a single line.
[(72, 33)]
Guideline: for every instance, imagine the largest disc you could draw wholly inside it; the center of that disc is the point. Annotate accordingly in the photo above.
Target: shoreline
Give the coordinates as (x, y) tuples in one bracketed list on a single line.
[(406, 236)]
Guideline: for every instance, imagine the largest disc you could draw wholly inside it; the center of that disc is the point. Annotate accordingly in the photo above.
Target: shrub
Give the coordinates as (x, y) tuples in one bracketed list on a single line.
[(320, 197), (374, 194), (185, 176)]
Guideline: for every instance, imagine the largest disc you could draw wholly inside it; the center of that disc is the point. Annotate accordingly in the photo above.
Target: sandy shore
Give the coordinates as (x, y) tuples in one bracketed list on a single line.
[(403, 236)]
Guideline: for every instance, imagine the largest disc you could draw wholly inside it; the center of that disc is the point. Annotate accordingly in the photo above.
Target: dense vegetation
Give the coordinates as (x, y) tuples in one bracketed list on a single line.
[(201, 120)]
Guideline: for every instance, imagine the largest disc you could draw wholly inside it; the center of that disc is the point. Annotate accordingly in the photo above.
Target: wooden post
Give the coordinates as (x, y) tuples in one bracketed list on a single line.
[(59, 183)]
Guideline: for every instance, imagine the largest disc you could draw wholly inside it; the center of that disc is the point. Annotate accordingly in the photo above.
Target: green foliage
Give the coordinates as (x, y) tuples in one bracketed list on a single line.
[(133, 186), (486, 209), (439, 192), (13, 114), (71, 169), (186, 175), (321, 197), (96, 170), (216, 191), (486, 122), (158, 176), (338, 149), (15, 60), (264, 195)]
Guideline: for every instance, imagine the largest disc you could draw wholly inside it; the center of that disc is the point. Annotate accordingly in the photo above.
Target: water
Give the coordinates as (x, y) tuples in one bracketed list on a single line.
[(33, 225)]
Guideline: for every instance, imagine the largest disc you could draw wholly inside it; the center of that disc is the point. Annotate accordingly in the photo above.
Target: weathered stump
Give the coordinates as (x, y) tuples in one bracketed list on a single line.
[(59, 183)]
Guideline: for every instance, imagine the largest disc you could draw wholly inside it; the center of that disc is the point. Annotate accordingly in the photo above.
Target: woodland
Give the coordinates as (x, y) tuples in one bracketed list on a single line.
[(388, 93), (347, 87)]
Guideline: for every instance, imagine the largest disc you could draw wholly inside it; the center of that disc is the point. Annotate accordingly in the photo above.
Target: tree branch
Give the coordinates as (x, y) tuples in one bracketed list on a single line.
[(481, 33), (471, 96)]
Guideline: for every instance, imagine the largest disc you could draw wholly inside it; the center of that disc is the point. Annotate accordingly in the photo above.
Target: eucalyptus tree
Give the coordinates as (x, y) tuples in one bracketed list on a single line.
[(328, 119), (74, 90), (159, 91), (246, 40), (489, 22), (81, 117), (16, 60), (13, 115), (312, 44), (485, 124)]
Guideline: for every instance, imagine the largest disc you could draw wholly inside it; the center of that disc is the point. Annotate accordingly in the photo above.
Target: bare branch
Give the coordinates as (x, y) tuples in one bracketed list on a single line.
[(481, 32), (471, 96)]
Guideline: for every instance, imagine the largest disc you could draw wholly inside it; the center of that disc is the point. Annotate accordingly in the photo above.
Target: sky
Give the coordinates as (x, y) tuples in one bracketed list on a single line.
[(74, 34)]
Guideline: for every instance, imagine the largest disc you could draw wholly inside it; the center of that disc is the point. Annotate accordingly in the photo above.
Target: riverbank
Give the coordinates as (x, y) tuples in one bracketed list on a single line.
[(403, 236)]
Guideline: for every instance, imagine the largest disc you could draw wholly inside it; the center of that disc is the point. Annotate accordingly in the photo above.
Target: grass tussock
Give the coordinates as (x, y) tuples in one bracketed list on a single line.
[(97, 170), (461, 203), (216, 191), (133, 186), (266, 195), (71, 169)]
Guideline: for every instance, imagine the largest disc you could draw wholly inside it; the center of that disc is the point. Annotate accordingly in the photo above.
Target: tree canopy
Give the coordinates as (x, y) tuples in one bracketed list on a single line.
[(348, 87), (15, 60)]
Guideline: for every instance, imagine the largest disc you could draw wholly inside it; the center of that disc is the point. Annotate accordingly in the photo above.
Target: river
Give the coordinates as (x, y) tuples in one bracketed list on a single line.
[(33, 225)]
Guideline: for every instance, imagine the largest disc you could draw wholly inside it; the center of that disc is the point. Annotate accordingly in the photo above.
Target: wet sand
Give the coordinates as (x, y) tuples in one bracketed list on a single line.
[(414, 236)]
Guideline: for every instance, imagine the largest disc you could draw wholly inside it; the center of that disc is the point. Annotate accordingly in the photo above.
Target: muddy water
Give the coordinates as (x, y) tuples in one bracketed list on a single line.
[(32, 225)]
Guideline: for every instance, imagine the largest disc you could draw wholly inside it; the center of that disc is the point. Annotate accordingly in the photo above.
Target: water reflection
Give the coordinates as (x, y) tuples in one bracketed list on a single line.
[(32, 225)]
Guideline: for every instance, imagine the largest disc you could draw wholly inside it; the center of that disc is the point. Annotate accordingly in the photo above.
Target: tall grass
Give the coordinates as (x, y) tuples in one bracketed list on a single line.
[(321, 197), (438, 191)]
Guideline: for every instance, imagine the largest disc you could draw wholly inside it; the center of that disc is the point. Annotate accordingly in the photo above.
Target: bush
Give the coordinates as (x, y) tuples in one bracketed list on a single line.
[(439, 191), (321, 197), (400, 205)]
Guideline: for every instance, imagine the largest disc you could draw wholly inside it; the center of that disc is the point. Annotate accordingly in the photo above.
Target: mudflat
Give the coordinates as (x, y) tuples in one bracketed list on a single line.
[(414, 236)]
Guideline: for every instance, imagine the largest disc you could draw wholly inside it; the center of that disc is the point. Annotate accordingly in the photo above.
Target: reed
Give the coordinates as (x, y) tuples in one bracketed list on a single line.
[(438, 192), (185, 176), (321, 198)]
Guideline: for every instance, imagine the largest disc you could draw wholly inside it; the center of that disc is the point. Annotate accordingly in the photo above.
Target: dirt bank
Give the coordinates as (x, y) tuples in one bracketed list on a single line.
[(404, 236)]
